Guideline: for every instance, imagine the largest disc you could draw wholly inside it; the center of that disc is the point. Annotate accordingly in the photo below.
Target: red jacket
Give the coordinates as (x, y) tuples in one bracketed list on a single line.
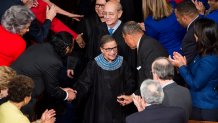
[(56, 25), (11, 47)]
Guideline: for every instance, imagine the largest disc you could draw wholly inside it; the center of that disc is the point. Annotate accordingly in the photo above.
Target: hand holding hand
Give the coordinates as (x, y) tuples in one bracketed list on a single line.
[(71, 95)]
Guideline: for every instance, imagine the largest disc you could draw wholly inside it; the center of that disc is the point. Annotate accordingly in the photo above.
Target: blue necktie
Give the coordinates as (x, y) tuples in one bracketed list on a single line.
[(110, 31)]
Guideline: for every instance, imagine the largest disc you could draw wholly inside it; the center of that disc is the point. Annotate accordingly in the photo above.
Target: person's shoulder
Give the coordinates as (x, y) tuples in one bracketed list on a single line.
[(134, 116), (173, 109)]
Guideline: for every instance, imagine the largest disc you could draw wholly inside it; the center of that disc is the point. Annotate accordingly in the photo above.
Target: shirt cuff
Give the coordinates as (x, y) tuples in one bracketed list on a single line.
[(66, 96)]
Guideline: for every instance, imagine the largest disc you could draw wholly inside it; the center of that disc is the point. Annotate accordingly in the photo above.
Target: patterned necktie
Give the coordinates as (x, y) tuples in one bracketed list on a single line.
[(110, 31)]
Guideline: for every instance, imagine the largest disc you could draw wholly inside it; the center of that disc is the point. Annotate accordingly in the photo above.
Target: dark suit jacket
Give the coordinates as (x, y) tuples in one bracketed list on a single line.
[(178, 96), (189, 48), (149, 49), (158, 114), (42, 64)]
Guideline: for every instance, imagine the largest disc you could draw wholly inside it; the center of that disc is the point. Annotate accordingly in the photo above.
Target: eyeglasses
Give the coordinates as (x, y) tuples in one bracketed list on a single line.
[(111, 49), (99, 5)]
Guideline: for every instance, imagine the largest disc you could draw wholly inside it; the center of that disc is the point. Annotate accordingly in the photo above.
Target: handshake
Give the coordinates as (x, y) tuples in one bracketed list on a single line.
[(71, 94)]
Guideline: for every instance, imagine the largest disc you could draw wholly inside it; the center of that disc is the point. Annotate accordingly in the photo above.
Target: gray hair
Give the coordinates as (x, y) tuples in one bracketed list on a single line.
[(152, 92), (16, 18), (131, 27), (163, 68)]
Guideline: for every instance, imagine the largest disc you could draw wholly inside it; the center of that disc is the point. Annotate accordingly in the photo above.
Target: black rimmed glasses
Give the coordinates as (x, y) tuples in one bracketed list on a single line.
[(99, 5), (111, 49)]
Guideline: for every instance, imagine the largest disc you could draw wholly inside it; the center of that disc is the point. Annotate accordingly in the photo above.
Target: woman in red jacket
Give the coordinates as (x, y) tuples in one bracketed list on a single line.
[(14, 24)]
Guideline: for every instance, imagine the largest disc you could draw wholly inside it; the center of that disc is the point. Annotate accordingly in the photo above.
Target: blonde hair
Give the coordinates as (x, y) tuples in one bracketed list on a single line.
[(158, 9), (6, 74)]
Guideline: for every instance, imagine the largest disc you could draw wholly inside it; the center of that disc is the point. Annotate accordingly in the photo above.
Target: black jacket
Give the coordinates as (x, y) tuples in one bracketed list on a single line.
[(158, 114)]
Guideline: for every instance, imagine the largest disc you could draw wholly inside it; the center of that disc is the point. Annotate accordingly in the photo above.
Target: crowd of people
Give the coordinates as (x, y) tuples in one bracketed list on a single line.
[(111, 67)]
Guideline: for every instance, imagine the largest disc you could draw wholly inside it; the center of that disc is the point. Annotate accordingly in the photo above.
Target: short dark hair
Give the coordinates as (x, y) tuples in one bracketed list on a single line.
[(105, 39), (207, 32), (20, 87), (61, 41), (131, 27), (187, 8)]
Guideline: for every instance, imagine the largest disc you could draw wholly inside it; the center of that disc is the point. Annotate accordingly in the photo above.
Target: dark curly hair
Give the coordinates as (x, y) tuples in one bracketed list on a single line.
[(206, 31), (20, 87), (61, 41)]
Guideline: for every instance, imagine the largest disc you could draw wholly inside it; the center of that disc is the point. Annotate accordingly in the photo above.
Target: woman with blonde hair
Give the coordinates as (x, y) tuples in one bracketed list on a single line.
[(6, 74), (160, 23)]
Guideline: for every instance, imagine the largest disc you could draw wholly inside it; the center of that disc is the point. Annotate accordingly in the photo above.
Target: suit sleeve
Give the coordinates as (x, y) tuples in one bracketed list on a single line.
[(51, 82), (203, 74), (39, 32)]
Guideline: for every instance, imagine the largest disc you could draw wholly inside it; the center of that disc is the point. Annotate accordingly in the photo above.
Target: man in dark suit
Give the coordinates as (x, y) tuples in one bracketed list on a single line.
[(148, 49), (43, 63), (150, 108), (163, 72), (187, 14)]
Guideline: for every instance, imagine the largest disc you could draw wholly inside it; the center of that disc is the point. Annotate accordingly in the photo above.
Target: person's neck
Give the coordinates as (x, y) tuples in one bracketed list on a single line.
[(164, 82), (112, 25), (109, 60), (18, 105)]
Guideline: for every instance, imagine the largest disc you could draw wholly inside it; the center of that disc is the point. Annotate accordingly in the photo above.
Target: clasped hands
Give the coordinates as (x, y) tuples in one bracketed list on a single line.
[(71, 93)]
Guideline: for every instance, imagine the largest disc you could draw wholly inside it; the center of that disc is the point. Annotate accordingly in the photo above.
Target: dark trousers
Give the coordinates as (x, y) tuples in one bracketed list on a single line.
[(204, 114)]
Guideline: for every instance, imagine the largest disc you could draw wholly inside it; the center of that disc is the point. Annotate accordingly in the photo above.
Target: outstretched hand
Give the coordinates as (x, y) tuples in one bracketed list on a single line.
[(77, 17), (124, 99)]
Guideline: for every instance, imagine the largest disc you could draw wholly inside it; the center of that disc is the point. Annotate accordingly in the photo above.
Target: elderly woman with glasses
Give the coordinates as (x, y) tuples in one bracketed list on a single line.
[(105, 78), (14, 24)]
